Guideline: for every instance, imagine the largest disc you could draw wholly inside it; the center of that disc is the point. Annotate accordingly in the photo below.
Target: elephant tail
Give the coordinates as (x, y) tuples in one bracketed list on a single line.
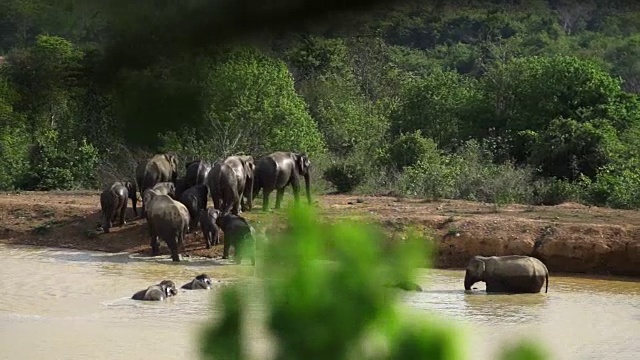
[(546, 289)]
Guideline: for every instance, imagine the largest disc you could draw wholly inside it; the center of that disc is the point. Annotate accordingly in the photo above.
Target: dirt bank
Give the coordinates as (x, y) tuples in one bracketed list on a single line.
[(568, 238)]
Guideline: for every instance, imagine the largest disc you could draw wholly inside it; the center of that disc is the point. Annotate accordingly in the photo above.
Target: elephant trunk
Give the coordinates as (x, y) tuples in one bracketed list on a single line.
[(307, 186), (468, 282)]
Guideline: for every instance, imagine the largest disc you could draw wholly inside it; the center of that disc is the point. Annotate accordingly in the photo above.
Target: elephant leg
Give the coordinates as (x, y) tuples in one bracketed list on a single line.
[(216, 202), (155, 245), (225, 249), (496, 286), (279, 196), (207, 238), (173, 246), (295, 186), (123, 211), (265, 199)]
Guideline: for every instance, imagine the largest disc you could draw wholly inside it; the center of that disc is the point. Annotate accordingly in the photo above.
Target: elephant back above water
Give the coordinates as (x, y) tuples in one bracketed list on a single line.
[(159, 292), (160, 168), (197, 172), (278, 170), (507, 274)]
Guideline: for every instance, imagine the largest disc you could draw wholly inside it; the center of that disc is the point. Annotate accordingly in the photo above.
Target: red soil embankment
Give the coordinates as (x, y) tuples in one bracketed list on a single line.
[(569, 238)]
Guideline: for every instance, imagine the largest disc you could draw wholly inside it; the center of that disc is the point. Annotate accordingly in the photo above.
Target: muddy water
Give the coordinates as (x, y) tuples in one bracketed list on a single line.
[(62, 304)]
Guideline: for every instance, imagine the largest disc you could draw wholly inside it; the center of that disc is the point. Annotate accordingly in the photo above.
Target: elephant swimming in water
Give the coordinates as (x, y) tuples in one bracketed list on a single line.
[(159, 292), (202, 281), (507, 274)]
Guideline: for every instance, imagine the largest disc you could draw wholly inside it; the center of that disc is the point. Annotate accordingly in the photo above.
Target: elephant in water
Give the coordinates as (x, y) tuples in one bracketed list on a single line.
[(210, 230), (507, 274), (276, 171), (201, 282), (113, 202), (159, 292), (407, 286)]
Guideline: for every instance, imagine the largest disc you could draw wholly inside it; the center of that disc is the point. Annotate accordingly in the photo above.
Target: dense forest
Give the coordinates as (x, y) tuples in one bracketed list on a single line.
[(529, 101)]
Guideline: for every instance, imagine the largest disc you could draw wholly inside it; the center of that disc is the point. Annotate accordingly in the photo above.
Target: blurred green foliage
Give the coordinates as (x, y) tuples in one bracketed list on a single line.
[(321, 291)]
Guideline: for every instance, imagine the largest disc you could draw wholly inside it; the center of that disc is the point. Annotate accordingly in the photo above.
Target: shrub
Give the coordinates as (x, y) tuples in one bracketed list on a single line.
[(310, 309), (344, 176), (409, 149), (553, 192)]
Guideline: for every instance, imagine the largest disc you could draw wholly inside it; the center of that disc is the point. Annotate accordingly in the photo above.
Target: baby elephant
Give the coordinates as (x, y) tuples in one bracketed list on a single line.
[(201, 282), (239, 234), (208, 226), (159, 292), (113, 202)]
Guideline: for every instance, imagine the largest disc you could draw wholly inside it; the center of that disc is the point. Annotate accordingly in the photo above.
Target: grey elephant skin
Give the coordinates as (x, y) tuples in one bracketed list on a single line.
[(166, 188), (197, 172), (208, 225), (239, 234), (160, 168), (159, 292), (113, 202), (168, 220), (279, 170), (201, 282), (507, 274), (230, 182), (180, 187), (195, 199)]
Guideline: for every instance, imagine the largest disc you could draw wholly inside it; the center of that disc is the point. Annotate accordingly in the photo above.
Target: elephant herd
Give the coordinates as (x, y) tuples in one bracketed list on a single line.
[(175, 206), (167, 288)]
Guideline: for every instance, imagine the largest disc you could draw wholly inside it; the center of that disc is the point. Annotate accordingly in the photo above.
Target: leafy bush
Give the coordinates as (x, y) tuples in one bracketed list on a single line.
[(308, 308), (554, 192), (409, 149), (345, 176), (62, 164)]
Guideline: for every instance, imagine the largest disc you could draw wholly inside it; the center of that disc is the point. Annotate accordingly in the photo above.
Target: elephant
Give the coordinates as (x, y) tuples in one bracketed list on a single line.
[(160, 168), (239, 234), (180, 187), (166, 188), (507, 274), (230, 181), (197, 172), (243, 166), (201, 282), (209, 227), (407, 286), (195, 199), (276, 171), (223, 185), (159, 292), (113, 201), (169, 220)]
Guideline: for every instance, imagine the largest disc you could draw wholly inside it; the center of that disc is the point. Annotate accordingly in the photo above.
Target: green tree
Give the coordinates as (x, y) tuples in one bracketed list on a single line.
[(440, 105), (251, 106)]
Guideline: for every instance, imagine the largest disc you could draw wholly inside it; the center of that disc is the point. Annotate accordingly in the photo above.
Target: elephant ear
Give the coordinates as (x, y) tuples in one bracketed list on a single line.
[(480, 268), (302, 163)]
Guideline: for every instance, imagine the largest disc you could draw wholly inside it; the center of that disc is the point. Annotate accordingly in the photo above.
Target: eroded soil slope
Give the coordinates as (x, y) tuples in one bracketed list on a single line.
[(569, 237)]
